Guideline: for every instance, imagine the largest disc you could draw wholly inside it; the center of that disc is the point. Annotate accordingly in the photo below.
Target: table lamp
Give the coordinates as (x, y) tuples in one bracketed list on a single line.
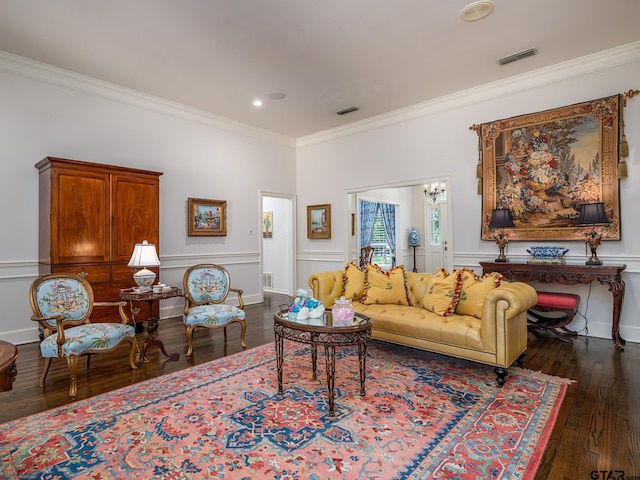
[(592, 214), (144, 255), (501, 218)]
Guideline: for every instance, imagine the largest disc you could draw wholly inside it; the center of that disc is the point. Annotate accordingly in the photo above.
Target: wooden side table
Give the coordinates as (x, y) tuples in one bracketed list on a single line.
[(8, 369), (152, 321)]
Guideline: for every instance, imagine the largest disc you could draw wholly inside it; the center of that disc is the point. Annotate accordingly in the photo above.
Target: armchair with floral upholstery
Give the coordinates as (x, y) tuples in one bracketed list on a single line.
[(206, 287), (62, 304)]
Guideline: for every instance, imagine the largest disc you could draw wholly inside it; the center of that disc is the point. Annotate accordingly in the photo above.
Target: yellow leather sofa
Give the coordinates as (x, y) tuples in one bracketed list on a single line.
[(497, 338)]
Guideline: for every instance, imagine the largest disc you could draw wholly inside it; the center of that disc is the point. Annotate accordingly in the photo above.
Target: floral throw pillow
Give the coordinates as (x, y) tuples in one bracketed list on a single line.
[(473, 291), (441, 296), (385, 287), (353, 282)]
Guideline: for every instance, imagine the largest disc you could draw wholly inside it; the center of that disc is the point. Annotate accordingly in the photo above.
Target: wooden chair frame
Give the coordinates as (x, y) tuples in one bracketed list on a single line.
[(190, 302), (62, 322)]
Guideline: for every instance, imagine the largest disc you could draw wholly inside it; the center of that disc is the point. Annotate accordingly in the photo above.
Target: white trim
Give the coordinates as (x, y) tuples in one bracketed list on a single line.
[(587, 65), (27, 68)]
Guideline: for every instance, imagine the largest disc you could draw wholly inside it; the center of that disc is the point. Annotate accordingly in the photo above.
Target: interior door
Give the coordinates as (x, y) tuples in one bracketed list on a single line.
[(438, 246)]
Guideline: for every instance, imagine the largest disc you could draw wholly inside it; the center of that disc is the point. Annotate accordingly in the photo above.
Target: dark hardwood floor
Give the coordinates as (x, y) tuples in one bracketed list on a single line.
[(598, 427)]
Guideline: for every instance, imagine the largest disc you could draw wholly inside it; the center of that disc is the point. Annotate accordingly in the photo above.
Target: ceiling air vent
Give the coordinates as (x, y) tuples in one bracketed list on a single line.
[(347, 110), (517, 56)]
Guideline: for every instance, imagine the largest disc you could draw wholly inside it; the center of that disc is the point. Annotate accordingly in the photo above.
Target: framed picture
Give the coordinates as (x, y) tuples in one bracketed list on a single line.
[(267, 224), (319, 221), (207, 217), (543, 165)]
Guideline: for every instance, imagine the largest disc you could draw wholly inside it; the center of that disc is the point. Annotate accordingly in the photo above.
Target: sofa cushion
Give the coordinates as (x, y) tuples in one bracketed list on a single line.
[(353, 282), (385, 287), (473, 291), (417, 284), (441, 296)]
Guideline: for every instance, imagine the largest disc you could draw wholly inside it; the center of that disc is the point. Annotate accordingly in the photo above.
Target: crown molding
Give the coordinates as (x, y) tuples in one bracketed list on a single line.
[(578, 67), (27, 68)]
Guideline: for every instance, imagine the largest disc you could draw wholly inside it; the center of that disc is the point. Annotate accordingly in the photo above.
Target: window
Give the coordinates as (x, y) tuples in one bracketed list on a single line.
[(382, 254), (434, 225)]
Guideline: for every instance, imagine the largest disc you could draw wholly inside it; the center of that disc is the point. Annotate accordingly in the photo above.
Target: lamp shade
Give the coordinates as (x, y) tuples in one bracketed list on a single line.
[(144, 255), (592, 214), (501, 218)]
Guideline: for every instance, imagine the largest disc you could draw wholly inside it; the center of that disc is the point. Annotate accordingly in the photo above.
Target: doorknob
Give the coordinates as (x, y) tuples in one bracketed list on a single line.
[(445, 246)]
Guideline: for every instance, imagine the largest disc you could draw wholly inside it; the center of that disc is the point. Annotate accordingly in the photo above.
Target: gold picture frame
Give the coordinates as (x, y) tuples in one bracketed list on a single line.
[(543, 165), (206, 217), (267, 224), (319, 221)]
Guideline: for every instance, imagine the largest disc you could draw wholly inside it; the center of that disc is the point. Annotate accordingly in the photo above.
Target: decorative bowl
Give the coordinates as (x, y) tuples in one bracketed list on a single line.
[(547, 252)]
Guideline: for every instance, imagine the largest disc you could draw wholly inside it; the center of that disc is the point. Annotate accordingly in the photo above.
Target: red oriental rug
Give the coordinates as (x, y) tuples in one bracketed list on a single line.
[(423, 416)]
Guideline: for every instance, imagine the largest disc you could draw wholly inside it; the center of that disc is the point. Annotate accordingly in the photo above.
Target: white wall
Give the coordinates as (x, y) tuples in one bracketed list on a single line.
[(434, 140), (276, 251), (47, 112)]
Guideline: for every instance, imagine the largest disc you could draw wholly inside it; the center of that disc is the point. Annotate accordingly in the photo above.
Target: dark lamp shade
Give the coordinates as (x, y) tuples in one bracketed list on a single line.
[(501, 218), (592, 214)]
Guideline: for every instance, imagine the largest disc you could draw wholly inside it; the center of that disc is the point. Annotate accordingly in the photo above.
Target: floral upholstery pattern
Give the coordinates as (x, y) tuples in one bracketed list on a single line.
[(62, 296), (92, 336), (213, 315), (62, 304), (206, 287)]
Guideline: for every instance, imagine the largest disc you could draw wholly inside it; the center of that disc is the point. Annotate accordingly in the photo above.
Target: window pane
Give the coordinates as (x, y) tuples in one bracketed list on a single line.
[(434, 225)]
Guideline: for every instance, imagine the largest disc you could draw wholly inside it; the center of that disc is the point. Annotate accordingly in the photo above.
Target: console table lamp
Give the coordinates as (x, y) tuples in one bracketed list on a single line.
[(501, 218), (144, 255), (592, 214)]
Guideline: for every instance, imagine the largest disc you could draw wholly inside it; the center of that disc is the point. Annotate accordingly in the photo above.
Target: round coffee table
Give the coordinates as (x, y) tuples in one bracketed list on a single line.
[(327, 333)]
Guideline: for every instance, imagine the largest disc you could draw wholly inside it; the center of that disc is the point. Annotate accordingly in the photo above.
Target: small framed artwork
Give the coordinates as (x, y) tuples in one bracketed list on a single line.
[(207, 217), (319, 221), (267, 224)]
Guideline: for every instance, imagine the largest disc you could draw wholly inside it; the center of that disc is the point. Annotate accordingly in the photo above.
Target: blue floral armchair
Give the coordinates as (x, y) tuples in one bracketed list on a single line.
[(206, 287), (62, 304)]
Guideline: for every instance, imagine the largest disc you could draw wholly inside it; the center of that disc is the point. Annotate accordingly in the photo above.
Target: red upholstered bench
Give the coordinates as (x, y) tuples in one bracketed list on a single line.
[(553, 312)]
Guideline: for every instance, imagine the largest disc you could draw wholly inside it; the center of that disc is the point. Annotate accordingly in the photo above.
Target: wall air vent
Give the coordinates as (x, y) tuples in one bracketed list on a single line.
[(347, 110), (267, 280), (517, 56)]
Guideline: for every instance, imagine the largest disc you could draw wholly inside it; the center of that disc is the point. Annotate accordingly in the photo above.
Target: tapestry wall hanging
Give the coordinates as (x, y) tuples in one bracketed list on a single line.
[(543, 165)]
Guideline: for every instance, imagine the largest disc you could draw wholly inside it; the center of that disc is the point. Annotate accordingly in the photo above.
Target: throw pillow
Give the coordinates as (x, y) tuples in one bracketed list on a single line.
[(473, 291), (385, 287), (353, 282), (441, 296)]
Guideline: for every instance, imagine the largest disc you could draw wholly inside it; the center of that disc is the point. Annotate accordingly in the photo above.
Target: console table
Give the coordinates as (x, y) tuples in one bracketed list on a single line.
[(568, 275)]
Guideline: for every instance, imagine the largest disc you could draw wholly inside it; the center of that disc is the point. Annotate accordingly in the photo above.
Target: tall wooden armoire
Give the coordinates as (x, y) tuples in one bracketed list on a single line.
[(91, 217)]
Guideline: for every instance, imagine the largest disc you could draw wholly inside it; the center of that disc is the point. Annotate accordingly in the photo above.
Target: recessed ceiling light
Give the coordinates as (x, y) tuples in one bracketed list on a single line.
[(477, 10), (257, 103), (276, 96)]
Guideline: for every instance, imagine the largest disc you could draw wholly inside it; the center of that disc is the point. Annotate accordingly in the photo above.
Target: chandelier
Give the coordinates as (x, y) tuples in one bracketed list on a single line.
[(435, 193)]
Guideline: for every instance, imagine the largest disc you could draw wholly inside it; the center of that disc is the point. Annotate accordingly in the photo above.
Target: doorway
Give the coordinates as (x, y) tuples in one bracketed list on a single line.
[(278, 243), (413, 211)]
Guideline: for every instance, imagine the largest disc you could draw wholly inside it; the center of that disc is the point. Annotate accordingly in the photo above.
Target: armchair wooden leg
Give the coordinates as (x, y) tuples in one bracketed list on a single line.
[(243, 325), (72, 362), (133, 349), (45, 370), (189, 340)]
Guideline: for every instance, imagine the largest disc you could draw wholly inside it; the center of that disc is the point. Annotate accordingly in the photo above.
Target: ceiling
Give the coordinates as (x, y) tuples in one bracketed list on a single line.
[(377, 55)]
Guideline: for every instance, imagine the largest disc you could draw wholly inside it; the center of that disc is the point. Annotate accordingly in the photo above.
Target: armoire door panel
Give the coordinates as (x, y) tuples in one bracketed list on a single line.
[(91, 216), (136, 202), (80, 205)]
